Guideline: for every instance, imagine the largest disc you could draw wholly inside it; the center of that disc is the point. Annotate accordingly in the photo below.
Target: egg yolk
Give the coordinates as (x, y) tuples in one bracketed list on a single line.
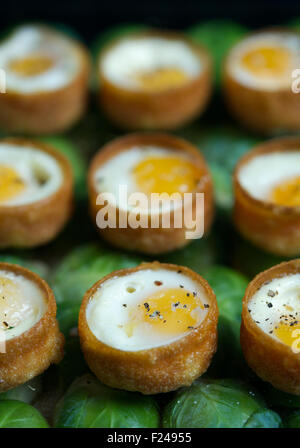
[(287, 193), (166, 175), (11, 307), (11, 185), (31, 65), (165, 78), (172, 311), (287, 333), (267, 61)]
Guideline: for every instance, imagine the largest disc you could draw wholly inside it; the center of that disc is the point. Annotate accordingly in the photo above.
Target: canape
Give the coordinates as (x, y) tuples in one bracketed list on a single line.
[(270, 331), (144, 164), (29, 333), (46, 80), (153, 80), (36, 191), (258, 81), (150, 329), (267, 200)]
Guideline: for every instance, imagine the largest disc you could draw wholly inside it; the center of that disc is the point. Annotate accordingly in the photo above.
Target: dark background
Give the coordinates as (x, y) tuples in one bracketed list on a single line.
[(91, 17)]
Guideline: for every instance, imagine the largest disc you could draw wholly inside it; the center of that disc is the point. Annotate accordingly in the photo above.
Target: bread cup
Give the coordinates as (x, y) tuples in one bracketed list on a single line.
[(25, 222), (259, 102), (169, 107), (32, 103), (168, 365), (270, 358), (31, 350), (150, 240), (272, 226)]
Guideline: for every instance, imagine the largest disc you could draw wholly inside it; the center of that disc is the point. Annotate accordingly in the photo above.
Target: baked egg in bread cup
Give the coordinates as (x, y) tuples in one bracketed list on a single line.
[(29, 334), (258, 81), (267, 199), (150, 329), (270, 331), (36, 192), (153, 80), (152, 166), (46, 76)]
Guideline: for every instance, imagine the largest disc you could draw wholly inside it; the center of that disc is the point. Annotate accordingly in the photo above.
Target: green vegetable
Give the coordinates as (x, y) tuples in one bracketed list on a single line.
[(76, 159), (218, 404), (27, 392), (89, 404), (196, 255), (77, 272), (292, 420), (229, 287), (222, 147), (277, 398), (217, 36), (38, 267), (16, 414)]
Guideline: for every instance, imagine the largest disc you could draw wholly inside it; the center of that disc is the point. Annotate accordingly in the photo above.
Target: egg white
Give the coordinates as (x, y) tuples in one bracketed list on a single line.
[(262, 173), (29, 39), (118, 171), (287, 292), (29, 163), (147, 54), (287, 40), (33, 306), (106, 314)]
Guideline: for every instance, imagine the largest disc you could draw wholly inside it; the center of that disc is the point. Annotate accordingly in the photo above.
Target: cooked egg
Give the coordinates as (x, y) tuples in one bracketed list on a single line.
[(146, 309), (36, 58), (147, 170), (27, 174), (273, 177), (22, 304), (266, 60), (275, 307), (150, 64)]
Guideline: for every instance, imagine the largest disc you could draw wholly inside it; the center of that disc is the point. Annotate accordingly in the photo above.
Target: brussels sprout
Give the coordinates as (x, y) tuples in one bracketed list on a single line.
[(77, 272), (89, 404), (229, 287), (292, 420), (76, 159), (218, 404), (196, 256), (217, 36), (16, 414), (277, 398), (27, 392), (38, 267), (222, 146), (251, 260)]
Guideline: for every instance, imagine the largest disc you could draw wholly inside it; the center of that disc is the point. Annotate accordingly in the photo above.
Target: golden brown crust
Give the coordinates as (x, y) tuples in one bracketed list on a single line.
[(32, 352), (272, 360), (169, 109), (160, 369), (271, 227), (152, 240), (39, 222), (47, 112), (262, 110)]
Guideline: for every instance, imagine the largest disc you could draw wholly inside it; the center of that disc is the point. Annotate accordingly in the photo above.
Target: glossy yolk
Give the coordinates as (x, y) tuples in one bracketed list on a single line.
[(166, 175), (11, 307), (11, 185), (267, 61), (287, 193), (161, 79), (172, 311), (287, 333), (31, 65)]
